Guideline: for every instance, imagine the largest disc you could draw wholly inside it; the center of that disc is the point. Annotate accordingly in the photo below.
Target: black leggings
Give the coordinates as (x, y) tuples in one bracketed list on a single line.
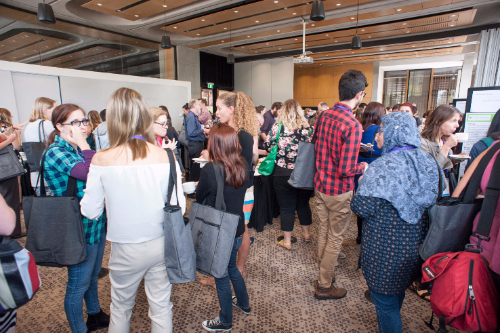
[(292, 199)]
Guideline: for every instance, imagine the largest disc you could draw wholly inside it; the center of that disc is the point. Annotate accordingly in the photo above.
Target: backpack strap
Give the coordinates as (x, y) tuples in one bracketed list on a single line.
[(488, 141), (219, 177), (489, 206), (40, 131), (173, 177)]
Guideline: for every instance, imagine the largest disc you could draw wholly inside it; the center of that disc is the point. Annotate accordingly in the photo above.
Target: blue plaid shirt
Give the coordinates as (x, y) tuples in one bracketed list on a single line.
[(60, 159)]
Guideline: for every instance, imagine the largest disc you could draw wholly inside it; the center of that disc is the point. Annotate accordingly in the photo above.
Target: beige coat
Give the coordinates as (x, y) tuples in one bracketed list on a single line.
[(433, 149)]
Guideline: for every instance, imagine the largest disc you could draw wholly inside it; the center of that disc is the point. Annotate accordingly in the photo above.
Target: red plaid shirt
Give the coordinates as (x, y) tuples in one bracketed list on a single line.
[(337, 148)]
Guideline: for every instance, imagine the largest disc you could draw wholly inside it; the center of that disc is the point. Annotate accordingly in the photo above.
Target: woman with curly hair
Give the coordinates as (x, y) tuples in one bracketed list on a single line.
[(238, 111), (293, 128)]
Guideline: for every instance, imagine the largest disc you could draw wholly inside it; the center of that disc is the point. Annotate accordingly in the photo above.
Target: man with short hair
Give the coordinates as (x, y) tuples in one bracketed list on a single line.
[(337, 148), (261, 109), (195, 135), (205, 115), (322, 106), (269, 119)]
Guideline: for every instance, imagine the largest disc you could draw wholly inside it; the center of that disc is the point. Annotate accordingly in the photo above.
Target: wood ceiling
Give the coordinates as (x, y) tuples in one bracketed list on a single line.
[(27, 44), (134, 10), (87, 56)]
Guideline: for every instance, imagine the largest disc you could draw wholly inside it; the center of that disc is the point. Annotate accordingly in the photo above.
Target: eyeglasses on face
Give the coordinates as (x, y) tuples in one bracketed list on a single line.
[(78, 123), (162, 124)]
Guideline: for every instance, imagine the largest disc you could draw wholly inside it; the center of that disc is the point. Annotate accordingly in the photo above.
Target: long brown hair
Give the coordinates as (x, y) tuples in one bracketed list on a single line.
[(128, 115), (372, 115), (95, 119), (225, 150), (6, 117), (433, 123), (60, 114)]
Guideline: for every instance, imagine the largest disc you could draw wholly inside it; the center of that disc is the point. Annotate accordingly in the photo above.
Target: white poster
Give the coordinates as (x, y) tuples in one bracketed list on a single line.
[(476, 124), (485, 101), (460, 105)]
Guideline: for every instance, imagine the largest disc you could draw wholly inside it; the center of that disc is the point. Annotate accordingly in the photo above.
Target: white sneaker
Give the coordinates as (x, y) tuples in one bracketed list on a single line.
[(341, 255)]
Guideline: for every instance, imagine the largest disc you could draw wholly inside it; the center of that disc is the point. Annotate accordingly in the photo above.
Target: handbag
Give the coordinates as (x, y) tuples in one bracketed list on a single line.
[(10, 166), (19, 278), (180, 258), (266, 168), (305, 164), (54, 226), (182, 134), (451, 219), (34, 150), (213, 231)]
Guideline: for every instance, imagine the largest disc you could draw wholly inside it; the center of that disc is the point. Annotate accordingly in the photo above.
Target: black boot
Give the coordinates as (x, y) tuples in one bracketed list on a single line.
[(97, 321)]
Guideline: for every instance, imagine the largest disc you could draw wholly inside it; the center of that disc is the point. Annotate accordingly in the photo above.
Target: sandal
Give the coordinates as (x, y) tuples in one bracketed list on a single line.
[(307, 238), (284, 245)]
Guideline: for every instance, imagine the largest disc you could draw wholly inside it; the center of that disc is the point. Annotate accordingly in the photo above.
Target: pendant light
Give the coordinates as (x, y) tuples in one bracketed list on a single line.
[(230, 56), (165, 40), (46, 14), (356, 40), (317, 11)]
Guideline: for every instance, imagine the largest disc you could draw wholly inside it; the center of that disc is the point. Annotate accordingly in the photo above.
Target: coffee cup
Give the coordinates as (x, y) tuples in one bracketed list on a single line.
[(462, 137), (189, 187)]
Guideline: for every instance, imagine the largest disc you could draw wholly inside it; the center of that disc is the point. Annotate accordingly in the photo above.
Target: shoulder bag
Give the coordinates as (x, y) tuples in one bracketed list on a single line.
[(54, 225), (34, 150), (266, 168), (19, 279), (451, 219), (10, 166), (180, 258), (213, 231), (305, 165)]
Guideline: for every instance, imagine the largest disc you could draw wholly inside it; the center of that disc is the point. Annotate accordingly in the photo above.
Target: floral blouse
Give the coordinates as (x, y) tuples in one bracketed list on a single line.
[(288, 144)]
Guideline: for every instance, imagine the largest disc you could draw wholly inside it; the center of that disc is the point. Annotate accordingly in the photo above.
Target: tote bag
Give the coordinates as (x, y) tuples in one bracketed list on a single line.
[(180, 258), (267, 166), (19, 279), (451, 219), (54, 225), (10, 166), (213, 231), (34, 150)]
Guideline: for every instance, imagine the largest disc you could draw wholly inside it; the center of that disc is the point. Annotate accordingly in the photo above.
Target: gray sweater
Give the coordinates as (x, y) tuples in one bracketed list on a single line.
[(433, 149)]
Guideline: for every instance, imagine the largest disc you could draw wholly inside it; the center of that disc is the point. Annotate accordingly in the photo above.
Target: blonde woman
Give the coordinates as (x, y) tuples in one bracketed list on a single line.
[(132, 178), (238, 111), (294, 128)]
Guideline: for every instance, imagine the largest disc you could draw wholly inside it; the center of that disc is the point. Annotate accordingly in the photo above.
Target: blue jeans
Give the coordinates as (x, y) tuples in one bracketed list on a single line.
[(82, 284), (224, 287), (388, 309)]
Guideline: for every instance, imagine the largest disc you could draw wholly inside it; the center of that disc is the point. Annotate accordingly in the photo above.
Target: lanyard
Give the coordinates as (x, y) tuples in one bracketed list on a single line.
[(78, 153), (138, 137), (341, 106), (401, 148), (159, 141)]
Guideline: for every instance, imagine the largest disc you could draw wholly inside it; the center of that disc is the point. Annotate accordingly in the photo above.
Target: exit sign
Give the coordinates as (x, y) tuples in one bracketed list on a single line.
[(210, 85)]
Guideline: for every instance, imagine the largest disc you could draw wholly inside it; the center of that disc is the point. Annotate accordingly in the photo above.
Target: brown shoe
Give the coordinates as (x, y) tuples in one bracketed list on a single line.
[(329, 293)]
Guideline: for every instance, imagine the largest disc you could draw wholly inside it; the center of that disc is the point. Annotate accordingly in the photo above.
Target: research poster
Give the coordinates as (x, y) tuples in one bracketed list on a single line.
[(476, 124), (460, 105), (485, 101)]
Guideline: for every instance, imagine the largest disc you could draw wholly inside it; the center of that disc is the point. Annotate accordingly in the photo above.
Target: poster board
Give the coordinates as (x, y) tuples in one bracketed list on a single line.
[(460, 104), (208, 95), (481, 106)]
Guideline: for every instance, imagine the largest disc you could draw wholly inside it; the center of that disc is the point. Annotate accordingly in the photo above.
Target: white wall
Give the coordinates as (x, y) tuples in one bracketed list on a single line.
[(89, 90), (188, 68), (265, 81)]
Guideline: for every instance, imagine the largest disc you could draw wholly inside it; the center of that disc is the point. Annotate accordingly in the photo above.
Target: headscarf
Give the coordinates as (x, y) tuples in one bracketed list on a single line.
[(407, 178)]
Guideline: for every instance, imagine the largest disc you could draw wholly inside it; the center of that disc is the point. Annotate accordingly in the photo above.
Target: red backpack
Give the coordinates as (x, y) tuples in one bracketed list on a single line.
[(463, 293)]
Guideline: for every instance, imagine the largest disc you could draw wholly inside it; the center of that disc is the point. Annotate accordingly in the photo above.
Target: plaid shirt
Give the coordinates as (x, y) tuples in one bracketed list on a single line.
[(268, 122), (60, 159), (337, 149)]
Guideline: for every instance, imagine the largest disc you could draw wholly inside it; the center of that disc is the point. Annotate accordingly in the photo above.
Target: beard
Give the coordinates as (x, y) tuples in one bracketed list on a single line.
[(274, 113)]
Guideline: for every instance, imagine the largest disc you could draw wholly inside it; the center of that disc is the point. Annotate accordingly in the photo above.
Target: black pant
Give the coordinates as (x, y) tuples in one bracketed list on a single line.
[(292, 199), (194, 149)]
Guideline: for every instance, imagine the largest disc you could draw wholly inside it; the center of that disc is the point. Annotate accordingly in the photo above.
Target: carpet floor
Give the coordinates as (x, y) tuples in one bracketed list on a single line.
[(280, 285)]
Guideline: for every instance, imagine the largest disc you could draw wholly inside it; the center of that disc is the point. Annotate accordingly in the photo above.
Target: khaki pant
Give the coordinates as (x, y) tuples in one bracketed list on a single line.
[(334, 213), (129, 263)]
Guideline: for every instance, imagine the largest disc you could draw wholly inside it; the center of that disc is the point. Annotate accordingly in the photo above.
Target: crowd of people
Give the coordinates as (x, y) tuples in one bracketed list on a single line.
[(383, 164)]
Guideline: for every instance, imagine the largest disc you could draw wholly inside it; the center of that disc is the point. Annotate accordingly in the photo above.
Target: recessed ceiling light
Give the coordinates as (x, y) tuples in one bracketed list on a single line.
[(202, 20), (248, 36), (267, 43), (225, 28), (312, 25), (294, 13), (326, 35), (99, 4), (222, 42), (338, 4), (352, 18), (449, 42), (164, 6), (295, 39), (197, 34), (407, 32), (278, 30), (280, 48), (335, 41), (136, 15), (413, 46), (256, 21), (452, 25), (369, 36), (118, 10), (255, 51), (404, 23), (276, 2), (453, 15), (175, 27), (235, 11), (362, 29), (398, 10)]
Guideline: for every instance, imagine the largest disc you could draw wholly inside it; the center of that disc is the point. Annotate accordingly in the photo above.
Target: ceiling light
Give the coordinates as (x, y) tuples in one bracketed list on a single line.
[(452, 25), (278, 30), (398, 10), (296, 39), (294, 13), (407, 32), (352, 18), (453, 15), (404, 23), (225, 28), (326, 35), (222, 41), (312, 25), (449, 42), (165, 42), (164, 6), (46, 14), (175, 27), (317, 11), (235, 11), (267, 43), (256, 21), (369, 36), (276, 2), (136, 15), (118, 10), (99, 4), (413, 46), (202, 20), (197, 34), (335, 41), (242, 47), (255, 51), (248, 36), (338, 4), (280, 48), (362, 29)]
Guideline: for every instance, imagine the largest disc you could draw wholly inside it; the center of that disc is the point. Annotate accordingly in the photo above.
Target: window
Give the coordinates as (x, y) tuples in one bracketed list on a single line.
[(394, 88)]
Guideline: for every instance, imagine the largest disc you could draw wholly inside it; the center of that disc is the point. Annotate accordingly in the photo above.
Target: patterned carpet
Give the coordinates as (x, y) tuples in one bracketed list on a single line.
[(280, 285)]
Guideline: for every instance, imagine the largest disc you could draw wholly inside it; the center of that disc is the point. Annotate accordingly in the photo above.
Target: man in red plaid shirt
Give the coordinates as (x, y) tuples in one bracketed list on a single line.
[(337, 148)]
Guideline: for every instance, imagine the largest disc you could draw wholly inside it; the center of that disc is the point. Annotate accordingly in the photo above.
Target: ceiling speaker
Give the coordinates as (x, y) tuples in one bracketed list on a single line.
[(46, 14), (317, 11), (230, 59), (356, 43), (165, 42)]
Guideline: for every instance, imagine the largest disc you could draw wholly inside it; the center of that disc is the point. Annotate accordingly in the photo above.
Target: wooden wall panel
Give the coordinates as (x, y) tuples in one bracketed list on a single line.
[(320, 84)]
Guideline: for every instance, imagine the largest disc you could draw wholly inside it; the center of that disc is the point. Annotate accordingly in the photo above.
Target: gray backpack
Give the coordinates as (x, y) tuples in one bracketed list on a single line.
[(213, 231)]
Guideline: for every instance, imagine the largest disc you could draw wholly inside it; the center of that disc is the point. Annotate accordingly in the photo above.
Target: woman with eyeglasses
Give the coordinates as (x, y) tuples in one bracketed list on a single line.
[(161, 129), (68, 154)]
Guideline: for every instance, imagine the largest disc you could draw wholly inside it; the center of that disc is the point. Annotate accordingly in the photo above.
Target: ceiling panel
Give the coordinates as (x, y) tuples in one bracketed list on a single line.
[(25, 45), (137, 12), (86, 56)]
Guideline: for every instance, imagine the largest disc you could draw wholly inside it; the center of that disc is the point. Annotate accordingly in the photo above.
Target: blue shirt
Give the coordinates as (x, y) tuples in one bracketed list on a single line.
[(192, 125), (368, 137)]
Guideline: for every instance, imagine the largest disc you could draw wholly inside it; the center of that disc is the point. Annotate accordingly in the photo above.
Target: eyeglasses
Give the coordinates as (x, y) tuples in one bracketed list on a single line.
[(162, 124), (77, 123), (364, 94)]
